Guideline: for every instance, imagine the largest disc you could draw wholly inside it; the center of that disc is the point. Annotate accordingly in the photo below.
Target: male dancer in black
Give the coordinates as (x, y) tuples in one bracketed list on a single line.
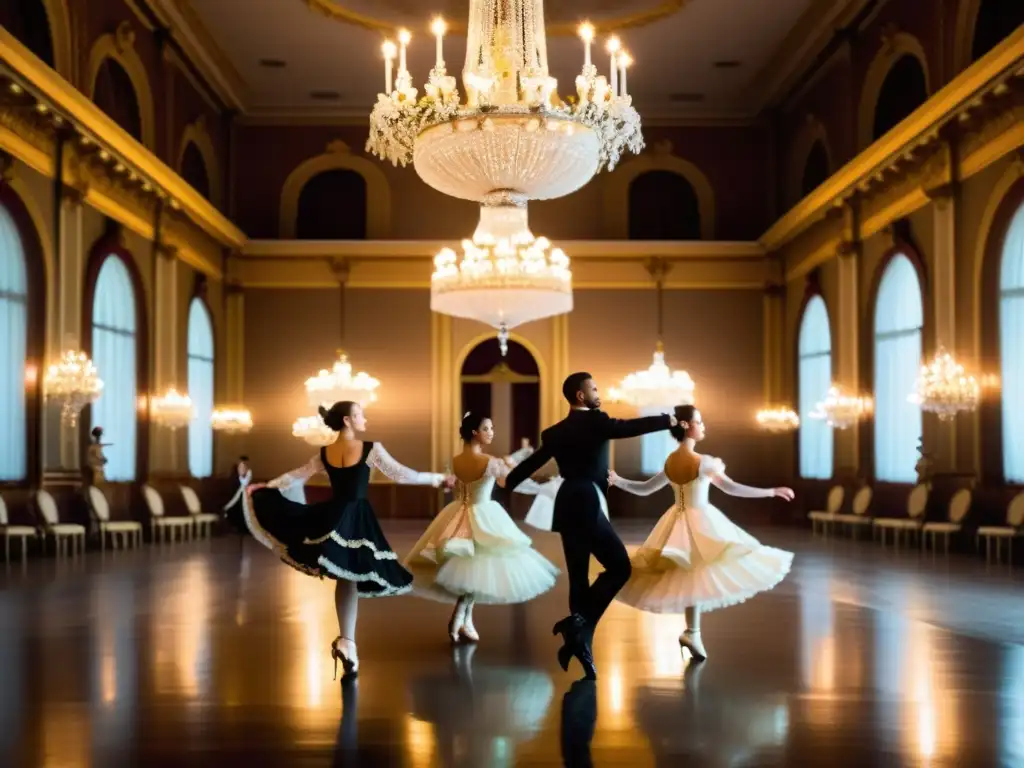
[(579, 443)]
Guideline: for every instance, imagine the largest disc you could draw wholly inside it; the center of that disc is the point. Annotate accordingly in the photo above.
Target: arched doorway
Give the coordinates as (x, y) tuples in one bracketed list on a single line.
[(507, 389)]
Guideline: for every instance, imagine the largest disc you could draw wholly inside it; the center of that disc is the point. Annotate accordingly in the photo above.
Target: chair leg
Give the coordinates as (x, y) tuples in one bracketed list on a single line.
[(24, 548), (7, 548)]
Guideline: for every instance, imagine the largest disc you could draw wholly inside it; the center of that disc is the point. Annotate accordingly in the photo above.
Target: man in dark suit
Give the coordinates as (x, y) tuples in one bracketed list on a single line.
[(579, 443)]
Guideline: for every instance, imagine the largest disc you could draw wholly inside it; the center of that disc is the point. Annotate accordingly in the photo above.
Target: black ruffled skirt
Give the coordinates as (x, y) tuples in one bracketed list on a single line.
[(332, 539)]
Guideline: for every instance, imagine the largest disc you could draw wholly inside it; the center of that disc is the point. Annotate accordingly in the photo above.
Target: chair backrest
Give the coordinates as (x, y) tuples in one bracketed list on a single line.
[(191, 500), (862, 500), (3, 512), (1015, 511), (959, 505), (98, 503), (917, 501), (47, 507), (835, 498), (153, 501)]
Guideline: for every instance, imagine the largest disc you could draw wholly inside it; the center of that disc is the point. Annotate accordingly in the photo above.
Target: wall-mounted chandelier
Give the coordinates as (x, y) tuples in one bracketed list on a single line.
[(944, 388), (511, 141), (841, 410), (74, 382), (231, 420), (778, 420), (172, 410)]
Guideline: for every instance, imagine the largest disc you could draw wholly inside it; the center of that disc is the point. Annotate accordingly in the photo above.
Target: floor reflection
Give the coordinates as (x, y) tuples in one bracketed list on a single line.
[(579, 719)]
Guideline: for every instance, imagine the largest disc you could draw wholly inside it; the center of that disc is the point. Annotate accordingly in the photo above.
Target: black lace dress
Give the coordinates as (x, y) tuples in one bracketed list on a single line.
[(339, 538)]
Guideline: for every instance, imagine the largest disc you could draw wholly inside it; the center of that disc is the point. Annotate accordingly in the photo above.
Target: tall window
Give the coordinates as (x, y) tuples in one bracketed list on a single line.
[(114, 328), (200, 389), (13, 349), (1011, 331), (815, 374), (899, 316), (655, 446)]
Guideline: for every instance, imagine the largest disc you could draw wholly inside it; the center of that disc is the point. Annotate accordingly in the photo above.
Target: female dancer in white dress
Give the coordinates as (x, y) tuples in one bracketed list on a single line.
[(473, 552), (696, 559)]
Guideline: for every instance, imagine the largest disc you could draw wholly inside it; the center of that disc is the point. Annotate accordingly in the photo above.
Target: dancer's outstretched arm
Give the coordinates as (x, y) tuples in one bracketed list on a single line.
[(300, 475), (639, 487), (526, 468), (730, 486), (382, 460), (618, 429)]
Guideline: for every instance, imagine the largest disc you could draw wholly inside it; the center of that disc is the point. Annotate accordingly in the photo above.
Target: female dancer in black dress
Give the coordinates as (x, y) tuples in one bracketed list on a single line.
[(339, 538)]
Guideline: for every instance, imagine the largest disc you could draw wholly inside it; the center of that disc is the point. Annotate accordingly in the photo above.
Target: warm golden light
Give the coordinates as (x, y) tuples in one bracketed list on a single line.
[(404, 36), (438, 26), (586, 31), (945, 389), (31, 375), (625, 60), (389, 49), (841, 410), (778, 419), (613, 44)]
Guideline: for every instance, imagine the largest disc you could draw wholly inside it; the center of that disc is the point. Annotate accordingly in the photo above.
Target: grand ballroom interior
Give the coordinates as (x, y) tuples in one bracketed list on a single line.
[(806, 217)]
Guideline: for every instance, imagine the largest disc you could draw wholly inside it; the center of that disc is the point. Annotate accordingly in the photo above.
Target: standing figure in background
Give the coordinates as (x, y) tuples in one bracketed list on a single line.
[(234, 510), (95, 461), (696, 559), (339, 538), (923, 468), (473, 552)]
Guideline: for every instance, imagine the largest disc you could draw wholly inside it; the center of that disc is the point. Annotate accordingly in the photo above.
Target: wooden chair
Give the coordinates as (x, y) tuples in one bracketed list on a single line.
[(916, 503), (824, 518), (958, 508), (126, 532), (159, 522), (61, 532), (8, 531), (203, 521), (860, 518), (1014, 527)]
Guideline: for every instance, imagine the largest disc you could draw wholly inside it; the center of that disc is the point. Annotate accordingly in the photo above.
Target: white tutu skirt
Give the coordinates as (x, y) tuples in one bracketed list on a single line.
[(697, 557), (477, 550)]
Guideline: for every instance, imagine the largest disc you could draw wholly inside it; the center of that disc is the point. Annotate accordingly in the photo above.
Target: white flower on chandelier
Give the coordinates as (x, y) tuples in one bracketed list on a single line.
[(944, 388), (658, 386), (340, 383)]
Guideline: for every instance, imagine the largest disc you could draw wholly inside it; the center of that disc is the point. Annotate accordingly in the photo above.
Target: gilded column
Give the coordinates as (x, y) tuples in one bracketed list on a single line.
[(559, 369), (847, 442), (943, 296), (234, 344), (774, 310), (165, 442), (443, 382)]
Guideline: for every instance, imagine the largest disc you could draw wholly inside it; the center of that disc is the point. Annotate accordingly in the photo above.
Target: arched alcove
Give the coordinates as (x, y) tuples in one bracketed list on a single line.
[(332, 206), (816, 169), (663, 205), (198, 162), (29, 22), (994, 21), (505, 388), (193, 170), (897, 82), (119, 85)]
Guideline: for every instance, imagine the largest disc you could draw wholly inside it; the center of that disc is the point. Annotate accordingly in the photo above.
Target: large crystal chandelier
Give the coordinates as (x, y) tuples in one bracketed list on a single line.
[(73, 381), (658, 386), (172, 410), (778, 420), (841, 410), (340, 383), (511, 141), (231, 420), (943, 388)]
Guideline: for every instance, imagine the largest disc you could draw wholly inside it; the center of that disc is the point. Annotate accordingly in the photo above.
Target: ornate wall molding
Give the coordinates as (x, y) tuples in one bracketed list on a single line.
[(812, 130), (198, 134), (895, 46), (64, 59), (120, 47)]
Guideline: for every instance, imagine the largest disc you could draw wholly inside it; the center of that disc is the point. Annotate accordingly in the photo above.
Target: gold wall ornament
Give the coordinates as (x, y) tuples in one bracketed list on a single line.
[(124, 37)]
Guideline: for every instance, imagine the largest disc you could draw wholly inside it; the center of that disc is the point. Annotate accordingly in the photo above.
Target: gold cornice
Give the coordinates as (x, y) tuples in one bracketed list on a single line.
[(336, 11)]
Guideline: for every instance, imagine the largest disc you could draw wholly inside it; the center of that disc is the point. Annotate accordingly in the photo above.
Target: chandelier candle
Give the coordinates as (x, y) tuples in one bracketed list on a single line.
[(624, 61), (587, 35), (388, 49), (404, 37), (613, 50), (438, 27)]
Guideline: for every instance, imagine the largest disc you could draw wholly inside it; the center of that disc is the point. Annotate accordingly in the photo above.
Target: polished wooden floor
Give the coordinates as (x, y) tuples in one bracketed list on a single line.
[(212, 652)]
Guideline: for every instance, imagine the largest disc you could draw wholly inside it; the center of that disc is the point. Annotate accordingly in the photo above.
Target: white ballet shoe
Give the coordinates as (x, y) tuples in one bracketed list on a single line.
[(468, 630), (457, 622), (690, 640)]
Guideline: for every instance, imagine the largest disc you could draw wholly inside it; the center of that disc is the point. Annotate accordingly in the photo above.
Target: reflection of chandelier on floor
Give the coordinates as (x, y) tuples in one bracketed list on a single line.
[(74, 382), (943, 388), (512, 141), (841, 410)]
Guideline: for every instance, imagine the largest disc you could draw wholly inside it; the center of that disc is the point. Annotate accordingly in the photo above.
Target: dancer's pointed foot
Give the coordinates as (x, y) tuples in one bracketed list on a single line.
[(468, 631), (458, 620), (344, 650), (576, 633), (690, 640)]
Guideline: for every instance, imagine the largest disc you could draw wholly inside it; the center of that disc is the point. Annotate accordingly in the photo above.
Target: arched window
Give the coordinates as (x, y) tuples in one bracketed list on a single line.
[(332, 206), (903, 91), (200, 389), (193, 170), (1011, 349), (663, 206), (995, 21), (816, 169), (13, 350), (899, 317), (815, 377), (114, 350), (115, 95), (28, 21)]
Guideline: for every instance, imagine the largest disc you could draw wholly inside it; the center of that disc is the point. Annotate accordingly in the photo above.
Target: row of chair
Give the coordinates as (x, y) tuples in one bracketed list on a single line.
[(121, 533), (915, 524)]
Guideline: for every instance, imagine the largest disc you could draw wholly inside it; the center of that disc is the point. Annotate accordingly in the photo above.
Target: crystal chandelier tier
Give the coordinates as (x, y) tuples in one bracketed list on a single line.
[(944, 388), (778, 420), (231, 420), (313, 430), (340, 383), (656, 387), (506, 276), (75, 382), (172, 410), (841, 410)]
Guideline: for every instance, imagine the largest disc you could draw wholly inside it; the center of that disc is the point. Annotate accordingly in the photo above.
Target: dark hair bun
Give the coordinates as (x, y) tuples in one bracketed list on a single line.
[(471, 422), (684, 415), (334, 417)]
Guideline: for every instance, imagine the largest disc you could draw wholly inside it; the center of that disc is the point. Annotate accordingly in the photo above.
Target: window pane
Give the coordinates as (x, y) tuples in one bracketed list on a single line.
[(655, 446), (815, 372), (13, 349), (200, 389), (1011, 330)]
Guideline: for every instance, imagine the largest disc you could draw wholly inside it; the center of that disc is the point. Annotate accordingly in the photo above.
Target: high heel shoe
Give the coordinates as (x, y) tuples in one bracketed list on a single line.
[(690, 640), (468, 631), (349, 661), (457, 621)]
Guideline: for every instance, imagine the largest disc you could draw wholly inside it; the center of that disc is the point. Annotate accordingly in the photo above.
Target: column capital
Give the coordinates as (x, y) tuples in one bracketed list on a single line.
[(169, 252), (847, 249), (341, 269)]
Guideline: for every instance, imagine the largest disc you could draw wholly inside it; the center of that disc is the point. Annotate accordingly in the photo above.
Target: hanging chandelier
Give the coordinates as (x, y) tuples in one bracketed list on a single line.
[(339, 383), (231, 420), (512, 140), (841, 410), (172, 410), (658, 386), (313, 430), (75, 382), (778, 420), (943, 388)]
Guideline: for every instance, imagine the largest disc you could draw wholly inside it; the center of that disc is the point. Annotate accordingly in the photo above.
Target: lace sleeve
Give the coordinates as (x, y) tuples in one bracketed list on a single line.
[(715, 469), (643, 487), (382, 460), (300, 475), (497, 468)]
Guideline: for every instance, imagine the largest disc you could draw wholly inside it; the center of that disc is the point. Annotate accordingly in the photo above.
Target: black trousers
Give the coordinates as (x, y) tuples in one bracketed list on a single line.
[(599, 539)]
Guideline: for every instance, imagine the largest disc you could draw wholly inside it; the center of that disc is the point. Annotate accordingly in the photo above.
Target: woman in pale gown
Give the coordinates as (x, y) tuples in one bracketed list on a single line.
[(696, 559), (473, 552)]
